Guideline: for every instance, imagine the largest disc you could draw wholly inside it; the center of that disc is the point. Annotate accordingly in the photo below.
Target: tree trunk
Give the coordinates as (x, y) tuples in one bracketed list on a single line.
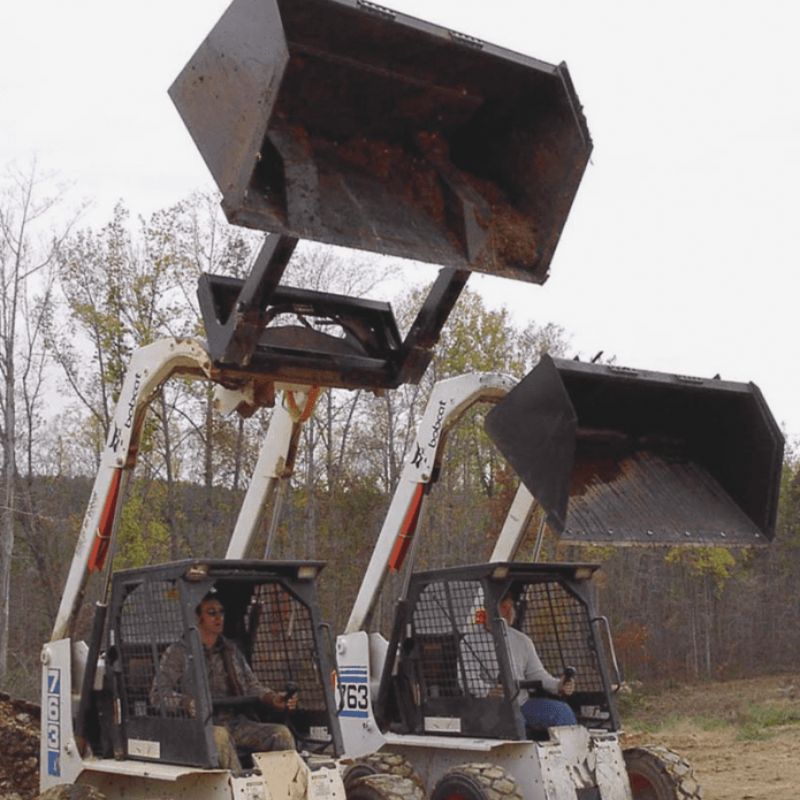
[(237, 461), (310, 549), (34, 539), (9, 498), (169, 509), (208, 474)]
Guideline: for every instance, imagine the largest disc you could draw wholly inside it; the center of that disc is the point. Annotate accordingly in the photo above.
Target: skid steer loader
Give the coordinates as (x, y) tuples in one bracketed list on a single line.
[(612, 455), (105, 727)]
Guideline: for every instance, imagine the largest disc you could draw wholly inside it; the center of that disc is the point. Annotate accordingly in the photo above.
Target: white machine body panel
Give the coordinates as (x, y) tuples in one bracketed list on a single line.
[(573, 759), (360, 733), (59, 759)]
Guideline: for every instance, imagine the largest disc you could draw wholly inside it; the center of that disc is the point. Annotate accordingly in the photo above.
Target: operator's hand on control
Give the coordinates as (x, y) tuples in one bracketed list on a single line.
[(189, 706), (566, 687), (279, 701)]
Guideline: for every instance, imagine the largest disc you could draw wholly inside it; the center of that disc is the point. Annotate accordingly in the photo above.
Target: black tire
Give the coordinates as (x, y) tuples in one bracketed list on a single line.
[(384, 787), (72, 791), (657, 773), (476, 782), (383, 763)]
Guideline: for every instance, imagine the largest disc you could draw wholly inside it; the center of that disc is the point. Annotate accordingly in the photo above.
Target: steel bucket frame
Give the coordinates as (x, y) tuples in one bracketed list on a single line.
[(623, 456)]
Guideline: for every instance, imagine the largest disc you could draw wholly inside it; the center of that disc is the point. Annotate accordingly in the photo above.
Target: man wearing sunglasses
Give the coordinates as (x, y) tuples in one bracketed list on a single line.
[(229, 675)]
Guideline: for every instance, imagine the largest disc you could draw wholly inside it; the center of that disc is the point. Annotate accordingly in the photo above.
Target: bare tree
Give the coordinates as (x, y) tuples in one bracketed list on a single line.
[(26, 203)]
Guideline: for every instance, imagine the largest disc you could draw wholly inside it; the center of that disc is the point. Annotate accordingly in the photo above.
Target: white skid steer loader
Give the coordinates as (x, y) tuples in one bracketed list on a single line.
[(612, 455), (106, 731)]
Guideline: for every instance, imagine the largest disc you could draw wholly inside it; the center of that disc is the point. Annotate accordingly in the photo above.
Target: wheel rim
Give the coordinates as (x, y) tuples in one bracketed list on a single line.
[(641, 787)]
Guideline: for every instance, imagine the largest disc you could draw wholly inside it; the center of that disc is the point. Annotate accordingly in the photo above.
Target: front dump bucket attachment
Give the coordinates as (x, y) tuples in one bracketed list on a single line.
[(622, 456), (347, 123)]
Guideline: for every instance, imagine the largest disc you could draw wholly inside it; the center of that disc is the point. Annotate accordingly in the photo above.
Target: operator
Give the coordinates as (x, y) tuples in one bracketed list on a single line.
[(229, 675), (539, 712), (481, 670)]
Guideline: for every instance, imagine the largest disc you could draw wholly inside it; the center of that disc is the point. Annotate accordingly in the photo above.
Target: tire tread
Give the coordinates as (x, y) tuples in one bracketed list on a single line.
[(674, 770)]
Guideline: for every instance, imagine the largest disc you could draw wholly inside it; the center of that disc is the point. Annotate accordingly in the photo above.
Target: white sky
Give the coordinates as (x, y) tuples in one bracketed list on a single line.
[(681, 250)]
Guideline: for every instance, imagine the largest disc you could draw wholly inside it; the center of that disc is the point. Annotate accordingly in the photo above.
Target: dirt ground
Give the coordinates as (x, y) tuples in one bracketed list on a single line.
[(741, 737), (19, 748)]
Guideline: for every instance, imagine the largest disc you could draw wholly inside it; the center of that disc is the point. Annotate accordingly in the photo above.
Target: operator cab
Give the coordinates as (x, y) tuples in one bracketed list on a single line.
[(271, 615), (449, 667)]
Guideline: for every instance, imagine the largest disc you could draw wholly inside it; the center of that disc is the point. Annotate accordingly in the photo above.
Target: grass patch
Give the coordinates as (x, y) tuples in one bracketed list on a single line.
[(749, 732), (769, 714), (650, 723), (757, 719), (749, 717), (710, 723)]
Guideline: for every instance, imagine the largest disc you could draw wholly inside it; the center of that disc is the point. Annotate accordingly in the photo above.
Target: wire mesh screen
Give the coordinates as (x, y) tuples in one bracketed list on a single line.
[(150, 622), (282, 644), (558, 624), (456, 652)]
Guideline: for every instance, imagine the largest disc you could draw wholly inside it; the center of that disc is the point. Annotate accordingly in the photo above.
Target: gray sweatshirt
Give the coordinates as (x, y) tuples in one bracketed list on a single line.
[(481, 672)]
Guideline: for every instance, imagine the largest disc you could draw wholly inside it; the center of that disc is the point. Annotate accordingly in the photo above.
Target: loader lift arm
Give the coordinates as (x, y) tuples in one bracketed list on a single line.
[(150, 367), (448, 402)]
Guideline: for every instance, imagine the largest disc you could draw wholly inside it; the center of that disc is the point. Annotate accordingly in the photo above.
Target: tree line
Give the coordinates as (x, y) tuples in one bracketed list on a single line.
[(75, 302)]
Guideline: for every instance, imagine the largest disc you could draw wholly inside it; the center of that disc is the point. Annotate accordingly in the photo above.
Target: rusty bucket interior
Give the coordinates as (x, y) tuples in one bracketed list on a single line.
[(623, 456), (345, 122)]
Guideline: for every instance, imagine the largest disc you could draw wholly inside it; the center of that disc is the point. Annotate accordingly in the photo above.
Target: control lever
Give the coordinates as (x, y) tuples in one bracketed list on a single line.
[(569, 675), (291, 690)]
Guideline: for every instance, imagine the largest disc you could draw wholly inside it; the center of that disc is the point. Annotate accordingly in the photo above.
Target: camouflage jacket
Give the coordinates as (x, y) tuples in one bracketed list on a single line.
[(173, 686)]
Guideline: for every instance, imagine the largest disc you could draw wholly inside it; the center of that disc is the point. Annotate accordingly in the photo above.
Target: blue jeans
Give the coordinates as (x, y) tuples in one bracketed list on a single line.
[(542, 712)]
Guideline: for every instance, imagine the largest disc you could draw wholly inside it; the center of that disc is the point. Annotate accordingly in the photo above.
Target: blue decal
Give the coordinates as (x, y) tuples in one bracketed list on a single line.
[(53, 711), (52, 736)]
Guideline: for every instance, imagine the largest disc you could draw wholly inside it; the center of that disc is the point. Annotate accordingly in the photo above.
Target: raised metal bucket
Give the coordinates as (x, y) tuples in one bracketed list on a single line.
[(626, 456), (347, 123)]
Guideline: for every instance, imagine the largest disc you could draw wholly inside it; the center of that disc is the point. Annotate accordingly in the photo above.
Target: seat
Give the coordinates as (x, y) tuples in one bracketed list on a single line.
[(438, 658)]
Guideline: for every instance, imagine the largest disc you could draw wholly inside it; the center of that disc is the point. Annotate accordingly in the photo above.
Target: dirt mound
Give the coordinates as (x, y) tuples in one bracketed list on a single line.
[(19, 748)]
